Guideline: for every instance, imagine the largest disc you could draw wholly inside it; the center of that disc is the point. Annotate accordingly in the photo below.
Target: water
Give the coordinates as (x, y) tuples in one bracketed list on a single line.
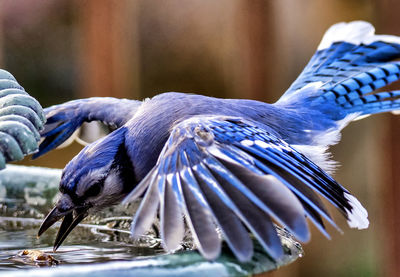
[(87, 244), (27, 194), (101, 246)]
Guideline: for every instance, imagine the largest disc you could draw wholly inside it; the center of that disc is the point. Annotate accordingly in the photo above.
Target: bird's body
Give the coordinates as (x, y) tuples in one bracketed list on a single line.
[(154, 119), (235, 164)]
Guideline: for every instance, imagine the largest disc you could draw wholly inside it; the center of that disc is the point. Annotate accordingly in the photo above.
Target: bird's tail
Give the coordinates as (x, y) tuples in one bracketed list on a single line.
[(343, 76)]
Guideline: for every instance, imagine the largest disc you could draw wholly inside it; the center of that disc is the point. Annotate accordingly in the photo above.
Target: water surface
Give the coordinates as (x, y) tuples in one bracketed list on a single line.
[(86, 244)]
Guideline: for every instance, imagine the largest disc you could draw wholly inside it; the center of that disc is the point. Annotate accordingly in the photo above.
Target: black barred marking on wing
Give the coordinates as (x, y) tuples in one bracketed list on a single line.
[(351, 64)]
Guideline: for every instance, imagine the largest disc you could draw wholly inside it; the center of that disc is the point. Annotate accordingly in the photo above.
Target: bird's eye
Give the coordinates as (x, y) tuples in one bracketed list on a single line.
[(93, 190)]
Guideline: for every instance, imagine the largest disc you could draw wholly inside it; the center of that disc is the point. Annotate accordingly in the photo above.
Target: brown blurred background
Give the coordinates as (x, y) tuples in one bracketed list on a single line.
[(62, 50)]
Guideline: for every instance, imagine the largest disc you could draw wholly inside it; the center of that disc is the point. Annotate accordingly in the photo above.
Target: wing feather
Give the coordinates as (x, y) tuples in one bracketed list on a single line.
[(268, 194), (199, 215), (258, 222), (147, 210), (304, 193), (228, 173), (64, 119)]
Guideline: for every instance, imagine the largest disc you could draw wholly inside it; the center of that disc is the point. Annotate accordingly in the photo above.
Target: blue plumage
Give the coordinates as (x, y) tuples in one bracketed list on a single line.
[(238, 165), (62, 121), (94, 156)]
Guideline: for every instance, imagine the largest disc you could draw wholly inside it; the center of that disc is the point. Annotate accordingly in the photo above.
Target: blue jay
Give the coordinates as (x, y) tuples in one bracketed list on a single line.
[(225, 168)]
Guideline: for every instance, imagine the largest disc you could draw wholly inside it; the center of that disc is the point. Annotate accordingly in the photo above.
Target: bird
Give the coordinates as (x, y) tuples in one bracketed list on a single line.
[(228, 169)]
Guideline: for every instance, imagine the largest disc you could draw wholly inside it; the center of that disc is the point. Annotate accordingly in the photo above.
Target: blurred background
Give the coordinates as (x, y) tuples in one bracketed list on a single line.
[(62, 50)]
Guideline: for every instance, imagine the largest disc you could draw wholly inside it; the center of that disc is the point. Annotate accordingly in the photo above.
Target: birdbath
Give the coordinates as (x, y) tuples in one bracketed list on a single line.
[(102, 245)]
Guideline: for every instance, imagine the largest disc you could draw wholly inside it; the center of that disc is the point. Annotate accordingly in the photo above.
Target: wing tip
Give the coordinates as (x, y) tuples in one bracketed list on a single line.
[(354, 32), (136, 232), (303, 234), (215, 253), (358, 216)]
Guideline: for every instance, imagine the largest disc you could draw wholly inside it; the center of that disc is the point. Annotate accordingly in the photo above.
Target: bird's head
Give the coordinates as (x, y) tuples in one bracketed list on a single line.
[(101, 175)]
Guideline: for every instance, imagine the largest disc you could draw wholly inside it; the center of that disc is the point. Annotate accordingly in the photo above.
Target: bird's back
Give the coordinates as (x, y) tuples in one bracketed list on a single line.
[(150, 127)]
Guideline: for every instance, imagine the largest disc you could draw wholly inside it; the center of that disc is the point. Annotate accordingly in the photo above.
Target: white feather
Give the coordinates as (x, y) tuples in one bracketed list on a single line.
[(355, 32), (332, 135), (361, 117), (318, 155), (358, 216), (318, 150)]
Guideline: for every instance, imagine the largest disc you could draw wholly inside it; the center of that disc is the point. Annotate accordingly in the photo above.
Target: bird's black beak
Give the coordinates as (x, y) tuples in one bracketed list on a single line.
[(71, 219)]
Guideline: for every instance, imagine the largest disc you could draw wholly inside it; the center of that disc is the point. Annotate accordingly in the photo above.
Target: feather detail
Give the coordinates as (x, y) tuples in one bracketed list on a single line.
[(230, 172)]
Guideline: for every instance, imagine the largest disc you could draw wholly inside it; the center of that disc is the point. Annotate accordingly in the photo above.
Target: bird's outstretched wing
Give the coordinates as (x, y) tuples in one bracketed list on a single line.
[(64, 119), (350, 64), (230, 173)]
